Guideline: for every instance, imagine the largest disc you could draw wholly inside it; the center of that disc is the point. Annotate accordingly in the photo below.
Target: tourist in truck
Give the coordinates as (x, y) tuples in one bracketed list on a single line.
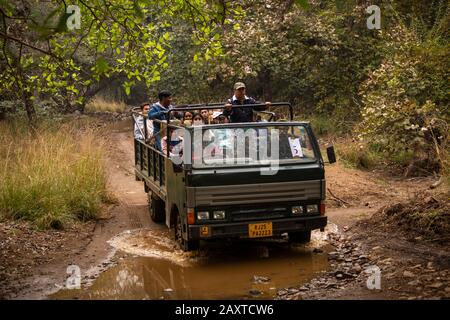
[(239, 114), (158, 111)]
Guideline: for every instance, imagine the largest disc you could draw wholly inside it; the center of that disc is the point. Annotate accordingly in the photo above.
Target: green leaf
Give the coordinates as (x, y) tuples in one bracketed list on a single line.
[(101, 65), (137, 9), (304, 4), (7, 7)]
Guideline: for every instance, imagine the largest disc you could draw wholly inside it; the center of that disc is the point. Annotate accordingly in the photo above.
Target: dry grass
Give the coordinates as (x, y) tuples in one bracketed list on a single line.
[(100, 104), (52, 176)]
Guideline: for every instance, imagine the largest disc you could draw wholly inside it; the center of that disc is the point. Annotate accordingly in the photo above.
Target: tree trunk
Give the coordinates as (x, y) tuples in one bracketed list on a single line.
[(93, 89), (265, 79), (29, 107)]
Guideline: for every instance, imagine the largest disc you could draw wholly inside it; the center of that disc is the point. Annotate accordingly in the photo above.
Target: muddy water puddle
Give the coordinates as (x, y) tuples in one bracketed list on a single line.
[(154, 269)]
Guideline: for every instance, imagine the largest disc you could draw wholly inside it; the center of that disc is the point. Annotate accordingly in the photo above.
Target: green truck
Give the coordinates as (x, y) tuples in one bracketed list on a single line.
[(234, 180)]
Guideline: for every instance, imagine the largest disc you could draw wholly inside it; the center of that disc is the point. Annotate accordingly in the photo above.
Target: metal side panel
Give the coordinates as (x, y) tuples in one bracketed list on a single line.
[(154, 187), (253, 193)]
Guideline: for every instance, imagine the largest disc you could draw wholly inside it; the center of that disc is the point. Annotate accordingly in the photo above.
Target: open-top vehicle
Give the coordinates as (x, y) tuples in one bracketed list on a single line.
[(235, 180)]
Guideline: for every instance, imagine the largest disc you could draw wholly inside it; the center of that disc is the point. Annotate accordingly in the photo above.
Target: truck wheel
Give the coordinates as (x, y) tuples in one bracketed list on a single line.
[(300, 237), (157, 209), (188, 245)]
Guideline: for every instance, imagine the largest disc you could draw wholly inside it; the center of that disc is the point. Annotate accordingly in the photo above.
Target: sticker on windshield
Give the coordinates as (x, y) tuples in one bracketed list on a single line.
[(296, 147)]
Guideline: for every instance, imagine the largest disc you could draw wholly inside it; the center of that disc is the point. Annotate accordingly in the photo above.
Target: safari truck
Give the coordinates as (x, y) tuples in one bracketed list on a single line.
[(234, 180)]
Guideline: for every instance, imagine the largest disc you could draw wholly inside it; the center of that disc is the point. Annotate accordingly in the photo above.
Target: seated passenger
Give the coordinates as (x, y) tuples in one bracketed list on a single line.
[(187, 119), (284, 147), (197, 120), (219, 118), (139, 124), (223, 119), (215, 117), (176, 140), (206, 116)]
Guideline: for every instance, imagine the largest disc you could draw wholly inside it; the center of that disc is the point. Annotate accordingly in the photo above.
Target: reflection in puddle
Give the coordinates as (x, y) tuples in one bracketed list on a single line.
[(218, 271)]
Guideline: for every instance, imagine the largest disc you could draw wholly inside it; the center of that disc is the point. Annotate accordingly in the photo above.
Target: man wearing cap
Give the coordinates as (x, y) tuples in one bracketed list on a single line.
[(239, 114)]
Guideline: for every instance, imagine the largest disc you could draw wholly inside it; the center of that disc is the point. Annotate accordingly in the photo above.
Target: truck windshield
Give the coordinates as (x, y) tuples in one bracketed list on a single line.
[(224, 147)]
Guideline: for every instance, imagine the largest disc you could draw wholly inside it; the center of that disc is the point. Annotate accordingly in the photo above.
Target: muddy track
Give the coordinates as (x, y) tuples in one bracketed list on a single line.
[(148, 265)]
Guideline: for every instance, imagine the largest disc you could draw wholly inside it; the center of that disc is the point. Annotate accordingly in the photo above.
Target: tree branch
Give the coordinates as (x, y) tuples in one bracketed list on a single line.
[(6, 36)]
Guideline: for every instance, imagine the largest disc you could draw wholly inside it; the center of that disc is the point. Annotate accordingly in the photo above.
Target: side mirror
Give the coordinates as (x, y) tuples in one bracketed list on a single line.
[(331, 154)]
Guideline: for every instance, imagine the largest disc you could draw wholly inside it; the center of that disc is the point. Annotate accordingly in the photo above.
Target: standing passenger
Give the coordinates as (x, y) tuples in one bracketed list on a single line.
[(159, 111), (239, 114)]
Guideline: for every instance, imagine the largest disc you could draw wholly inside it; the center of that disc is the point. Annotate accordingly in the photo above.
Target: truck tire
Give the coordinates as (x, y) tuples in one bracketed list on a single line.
[(157, 208), (300, 237), (185, 245)]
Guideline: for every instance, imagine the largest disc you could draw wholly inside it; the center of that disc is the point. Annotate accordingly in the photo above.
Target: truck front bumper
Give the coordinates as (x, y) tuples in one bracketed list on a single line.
[(241, 229)]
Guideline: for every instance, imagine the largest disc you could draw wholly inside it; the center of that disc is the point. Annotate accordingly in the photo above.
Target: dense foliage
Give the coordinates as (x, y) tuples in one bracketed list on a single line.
[(387, 87), (119, 41)]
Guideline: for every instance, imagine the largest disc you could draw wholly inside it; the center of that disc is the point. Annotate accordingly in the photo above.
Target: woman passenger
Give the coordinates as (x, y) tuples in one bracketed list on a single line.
[(197, 120), (187, 118), (205, 115)]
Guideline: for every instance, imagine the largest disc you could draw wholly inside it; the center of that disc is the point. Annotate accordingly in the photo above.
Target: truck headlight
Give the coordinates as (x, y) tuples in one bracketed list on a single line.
[(202, 215), (296, 210), (312, 208), (219, 214)]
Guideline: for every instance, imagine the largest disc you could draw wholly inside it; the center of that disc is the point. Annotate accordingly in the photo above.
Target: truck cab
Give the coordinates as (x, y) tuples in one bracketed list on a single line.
[(235, 180)]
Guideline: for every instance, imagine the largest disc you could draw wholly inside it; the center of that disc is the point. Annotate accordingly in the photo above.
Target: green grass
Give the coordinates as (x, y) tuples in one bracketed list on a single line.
[(53, 176), (328, 125), (322, 125), (358, 155), (369, 156)]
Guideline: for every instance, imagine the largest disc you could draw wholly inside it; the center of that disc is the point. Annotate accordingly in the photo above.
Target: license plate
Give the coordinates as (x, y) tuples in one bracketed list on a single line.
[(258, 230)]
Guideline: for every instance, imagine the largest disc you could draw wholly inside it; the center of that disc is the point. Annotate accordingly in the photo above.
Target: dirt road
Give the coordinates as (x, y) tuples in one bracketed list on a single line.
[(125, 255)]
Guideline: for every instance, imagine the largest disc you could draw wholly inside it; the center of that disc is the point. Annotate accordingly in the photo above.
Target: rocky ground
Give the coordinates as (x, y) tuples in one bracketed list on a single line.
[(24, 250), (354, 262), (411, 263)]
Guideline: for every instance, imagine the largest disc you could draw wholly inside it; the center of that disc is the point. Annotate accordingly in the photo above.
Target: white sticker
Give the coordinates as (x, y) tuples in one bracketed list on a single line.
[(296, 147)]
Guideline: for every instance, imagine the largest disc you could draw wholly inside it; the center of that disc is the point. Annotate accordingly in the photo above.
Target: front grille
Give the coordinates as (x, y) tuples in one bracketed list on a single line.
[(258, 214), (247, 194)]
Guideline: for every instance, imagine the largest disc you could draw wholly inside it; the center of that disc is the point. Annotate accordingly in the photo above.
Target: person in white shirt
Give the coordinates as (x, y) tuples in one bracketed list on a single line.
[(139, 124)]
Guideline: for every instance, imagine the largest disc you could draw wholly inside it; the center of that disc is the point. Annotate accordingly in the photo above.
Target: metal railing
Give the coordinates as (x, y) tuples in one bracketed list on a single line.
[(221, 105), (136, 114)]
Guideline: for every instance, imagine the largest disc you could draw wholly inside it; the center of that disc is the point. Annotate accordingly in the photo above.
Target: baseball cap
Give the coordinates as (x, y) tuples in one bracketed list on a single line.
[(216, 114), (239, 85)]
